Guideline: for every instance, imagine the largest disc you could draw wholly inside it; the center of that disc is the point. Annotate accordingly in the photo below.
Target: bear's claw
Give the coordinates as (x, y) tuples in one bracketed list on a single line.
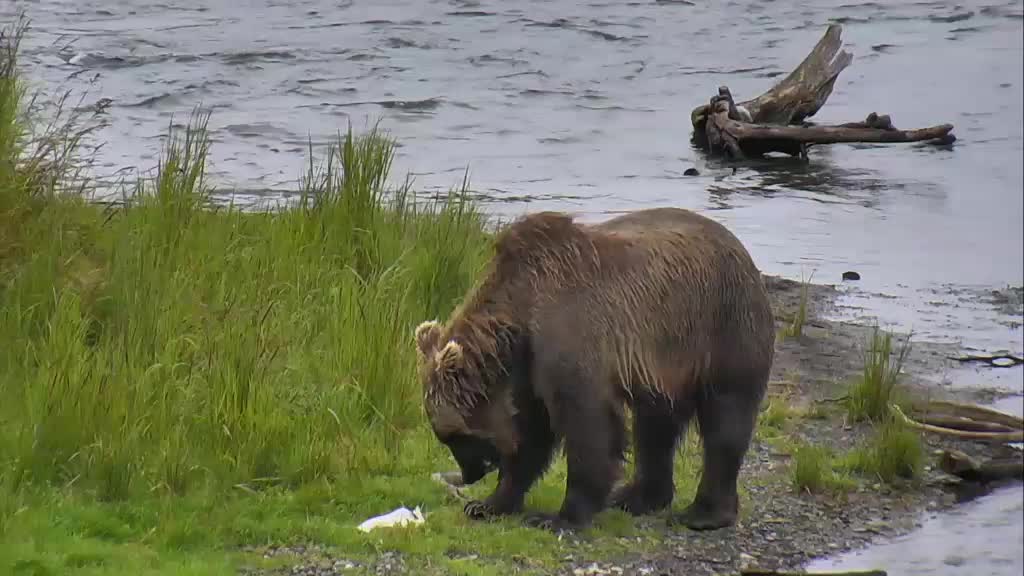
[(633, 499), (479, 510)]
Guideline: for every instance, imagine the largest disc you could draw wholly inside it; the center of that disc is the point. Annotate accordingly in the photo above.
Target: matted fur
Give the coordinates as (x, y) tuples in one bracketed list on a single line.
[(659, 304)]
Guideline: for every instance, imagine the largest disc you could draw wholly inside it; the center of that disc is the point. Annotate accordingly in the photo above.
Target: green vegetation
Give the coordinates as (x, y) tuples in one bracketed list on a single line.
[(871, 395), (814, 470), (795, 328), (894, 452), (776, 413), (183, 379)]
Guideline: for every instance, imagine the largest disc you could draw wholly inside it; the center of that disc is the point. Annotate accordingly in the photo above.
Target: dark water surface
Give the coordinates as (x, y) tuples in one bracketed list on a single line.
[(584, 106)]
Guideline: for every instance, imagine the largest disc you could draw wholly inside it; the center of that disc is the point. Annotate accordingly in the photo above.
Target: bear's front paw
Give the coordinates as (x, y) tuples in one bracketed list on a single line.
[(479, 510), (638, 500)]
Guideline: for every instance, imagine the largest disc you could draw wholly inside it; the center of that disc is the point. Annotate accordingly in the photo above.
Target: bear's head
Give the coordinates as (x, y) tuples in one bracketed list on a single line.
[(459, 402)]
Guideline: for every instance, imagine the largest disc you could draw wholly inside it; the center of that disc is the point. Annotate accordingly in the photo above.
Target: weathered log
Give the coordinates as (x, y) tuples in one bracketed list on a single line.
[(773, 122), (963, 466), (960, 423), (739, 139), (978, 413), (800, 94), (1007, 437)]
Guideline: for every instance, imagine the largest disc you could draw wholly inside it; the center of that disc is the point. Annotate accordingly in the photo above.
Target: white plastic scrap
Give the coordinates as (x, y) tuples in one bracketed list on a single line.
[(397, 517)]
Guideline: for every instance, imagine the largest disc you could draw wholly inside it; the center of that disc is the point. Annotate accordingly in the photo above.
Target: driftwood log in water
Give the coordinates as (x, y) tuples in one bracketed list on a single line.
[(775, 120), (966, 468), (997, 360), (799, 95)]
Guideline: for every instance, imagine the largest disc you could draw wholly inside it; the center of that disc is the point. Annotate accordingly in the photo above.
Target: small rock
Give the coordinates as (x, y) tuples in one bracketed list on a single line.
[(954, 561), (691, 172)]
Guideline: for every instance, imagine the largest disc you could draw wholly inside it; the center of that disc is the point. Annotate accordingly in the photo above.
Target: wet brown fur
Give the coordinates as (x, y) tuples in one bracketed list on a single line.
[(662, 309)]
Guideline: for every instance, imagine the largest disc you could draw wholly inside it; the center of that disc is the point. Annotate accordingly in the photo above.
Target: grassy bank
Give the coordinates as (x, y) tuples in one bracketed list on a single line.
[(182, 380)]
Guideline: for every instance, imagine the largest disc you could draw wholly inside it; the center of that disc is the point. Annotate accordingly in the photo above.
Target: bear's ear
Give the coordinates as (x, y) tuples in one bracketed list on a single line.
[(449, 358), (427, 334)]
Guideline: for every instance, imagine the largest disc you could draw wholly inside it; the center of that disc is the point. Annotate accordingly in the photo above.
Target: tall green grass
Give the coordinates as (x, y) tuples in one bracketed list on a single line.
[(871, 394), (166, 344)]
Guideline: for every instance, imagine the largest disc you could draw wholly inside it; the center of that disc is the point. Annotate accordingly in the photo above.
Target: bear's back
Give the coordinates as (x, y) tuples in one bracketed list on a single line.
[(681, 284)]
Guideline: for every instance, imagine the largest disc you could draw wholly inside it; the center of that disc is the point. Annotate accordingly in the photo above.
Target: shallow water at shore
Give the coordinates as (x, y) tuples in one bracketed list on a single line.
[(983, 536), (585, 108), (950, 544)]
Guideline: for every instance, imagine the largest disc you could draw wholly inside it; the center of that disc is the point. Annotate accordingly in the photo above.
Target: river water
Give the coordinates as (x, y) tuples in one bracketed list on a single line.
[(584, 106)]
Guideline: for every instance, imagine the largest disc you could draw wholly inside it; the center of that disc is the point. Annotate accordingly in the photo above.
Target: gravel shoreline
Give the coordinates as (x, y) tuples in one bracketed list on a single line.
[(779, 528)]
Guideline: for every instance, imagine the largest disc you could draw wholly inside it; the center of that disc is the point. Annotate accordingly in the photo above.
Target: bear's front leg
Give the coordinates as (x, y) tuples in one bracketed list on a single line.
[(506, 499), (518, 472), (594, 442)]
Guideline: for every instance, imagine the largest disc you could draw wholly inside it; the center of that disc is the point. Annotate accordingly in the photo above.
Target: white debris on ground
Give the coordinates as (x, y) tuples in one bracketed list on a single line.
[(397, 517), (452, 482)]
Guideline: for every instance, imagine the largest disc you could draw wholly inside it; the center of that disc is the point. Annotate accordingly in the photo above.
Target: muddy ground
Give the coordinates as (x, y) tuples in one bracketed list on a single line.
[(781, 528)]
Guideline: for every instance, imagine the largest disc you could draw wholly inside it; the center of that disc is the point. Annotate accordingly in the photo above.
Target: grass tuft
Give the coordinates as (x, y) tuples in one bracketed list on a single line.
[(871, 394), (776, 415), (894, 452), (795, 329), (813, 470)]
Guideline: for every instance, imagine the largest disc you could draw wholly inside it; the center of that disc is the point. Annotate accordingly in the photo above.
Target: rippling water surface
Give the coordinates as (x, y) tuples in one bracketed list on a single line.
[(584, 106)]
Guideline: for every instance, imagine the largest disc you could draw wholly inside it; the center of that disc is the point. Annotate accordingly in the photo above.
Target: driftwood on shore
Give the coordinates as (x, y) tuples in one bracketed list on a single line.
[(964, 421), (961, 465), (776, 120)]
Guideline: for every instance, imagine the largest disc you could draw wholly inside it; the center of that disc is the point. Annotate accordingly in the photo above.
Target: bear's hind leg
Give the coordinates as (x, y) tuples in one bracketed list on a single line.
[(726, 419), (656, 432)]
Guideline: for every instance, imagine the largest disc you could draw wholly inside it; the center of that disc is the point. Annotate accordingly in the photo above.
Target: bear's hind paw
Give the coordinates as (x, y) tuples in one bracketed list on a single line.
[(549, 522), (701, 518)]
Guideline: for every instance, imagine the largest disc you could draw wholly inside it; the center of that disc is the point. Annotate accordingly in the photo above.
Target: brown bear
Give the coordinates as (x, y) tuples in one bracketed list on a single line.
[(661, 309)]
